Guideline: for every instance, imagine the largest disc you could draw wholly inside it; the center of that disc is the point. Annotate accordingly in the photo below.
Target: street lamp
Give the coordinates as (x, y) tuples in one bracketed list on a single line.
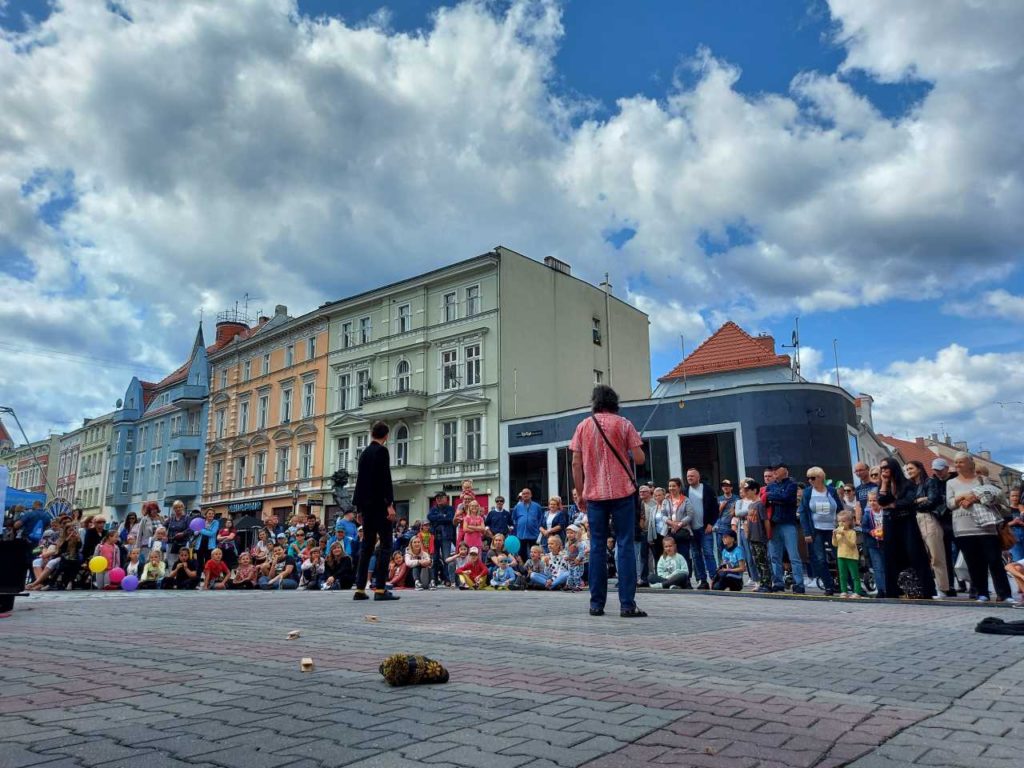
[(295, 499)]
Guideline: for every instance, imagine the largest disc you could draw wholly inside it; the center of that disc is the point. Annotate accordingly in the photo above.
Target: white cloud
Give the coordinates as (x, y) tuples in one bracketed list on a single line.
[(997, 303), (669, 320), (213, 149)]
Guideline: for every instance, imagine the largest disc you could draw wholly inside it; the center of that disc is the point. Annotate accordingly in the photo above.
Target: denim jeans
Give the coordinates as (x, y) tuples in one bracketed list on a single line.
[(618, 515), (264, 583), (877, 557), (542, 581), (784, 536), (702, 550), (751, 565), (816, 549), (640, 547), (1017, 552)]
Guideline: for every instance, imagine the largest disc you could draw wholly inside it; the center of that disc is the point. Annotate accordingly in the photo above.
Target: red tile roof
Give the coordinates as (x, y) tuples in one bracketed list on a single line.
[(912, 451), (223, 339), (730, 348), (5, 436)]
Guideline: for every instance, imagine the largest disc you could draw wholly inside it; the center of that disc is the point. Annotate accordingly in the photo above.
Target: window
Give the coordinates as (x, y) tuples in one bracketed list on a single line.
[(451, 306), (176, 424), (311, 347), (259, 475), (239, 478), (473, 439), (125, 478), (264, 412), (220, 419), (129, 441), (402, 377), (362, 386), (247, 370), (224, 378), (243, 417), (140, 471), (597, 331), (191, 465), (172, 470), (346, 335), (308, 399), (343, 453), (218, 475), (449, 369), (404, 318), (472, 300), (449, 441), (472, 365), (142, 438), (360, 445), (265, 364), (364, 330), (598, 376), (401, 446), (305, 461), (286, 405), (283, 457), (344, 385), (158, 435), (154, 473), (289, 355), (117, 441)]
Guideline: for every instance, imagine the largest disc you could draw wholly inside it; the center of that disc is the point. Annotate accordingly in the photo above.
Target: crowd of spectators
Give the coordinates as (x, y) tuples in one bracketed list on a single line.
[(898, 531)]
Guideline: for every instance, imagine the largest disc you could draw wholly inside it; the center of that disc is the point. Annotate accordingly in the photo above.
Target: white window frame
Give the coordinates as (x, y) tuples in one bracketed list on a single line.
[(362, 385), (449, 382), (287, 398), (220, 420), (450, 306), (308, 399), (403, 376), (283, 468), (401, 445), (243, 417), (223, 378), (474, 364), (365, 330), (289, 355), (306, 459), (247, 370), (260, 468), (346, 335), (265, 364), (311, 347), (473, 304), (595, 330), (263, 412), (361, 443), (239, 474), (217, 475), (342, 451), (450, 441), (344, 391), (404, 318), (126, 476), (474, 438)]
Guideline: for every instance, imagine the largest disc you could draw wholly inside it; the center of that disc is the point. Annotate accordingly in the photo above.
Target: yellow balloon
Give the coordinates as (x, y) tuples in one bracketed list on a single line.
[(98, 564)]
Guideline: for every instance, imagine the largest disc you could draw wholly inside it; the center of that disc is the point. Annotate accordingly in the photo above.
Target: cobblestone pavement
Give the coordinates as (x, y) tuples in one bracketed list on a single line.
[(202, 679)]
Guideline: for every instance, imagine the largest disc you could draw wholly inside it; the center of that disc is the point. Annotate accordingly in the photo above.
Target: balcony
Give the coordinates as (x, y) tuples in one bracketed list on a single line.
[(182, 489), (190, 395), (186, 441), (411, 403), (408, 473), (459, 469)]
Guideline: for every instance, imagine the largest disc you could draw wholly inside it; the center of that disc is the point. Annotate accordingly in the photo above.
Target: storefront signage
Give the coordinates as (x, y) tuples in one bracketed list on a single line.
[(530, 433), (246, 506), (314, 501)]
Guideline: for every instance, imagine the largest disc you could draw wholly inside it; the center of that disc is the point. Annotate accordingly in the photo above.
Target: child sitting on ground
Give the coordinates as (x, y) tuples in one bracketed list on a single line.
[(574, 561), (844, 539), (473, 574), (672, 571), (215, 572), (504, 574), (1016, 572), (556, 571), (154, 571), (730, 572), (534, 565)]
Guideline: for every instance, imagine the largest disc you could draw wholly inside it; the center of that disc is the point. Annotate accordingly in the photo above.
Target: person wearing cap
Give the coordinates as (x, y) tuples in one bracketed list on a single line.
[(939, 526), (374, 497), (442, 524), (499, 519), (473, 574)]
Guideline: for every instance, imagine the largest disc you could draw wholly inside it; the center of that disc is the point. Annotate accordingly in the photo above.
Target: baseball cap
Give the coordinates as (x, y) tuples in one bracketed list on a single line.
[(940, 464), (474, 551), (727, 481), (573, 527)]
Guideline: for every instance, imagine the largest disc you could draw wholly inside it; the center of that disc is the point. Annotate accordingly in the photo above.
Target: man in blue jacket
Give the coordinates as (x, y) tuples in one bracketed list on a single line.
[(781, 495), (499, 519), (442, 524), (529, 517)]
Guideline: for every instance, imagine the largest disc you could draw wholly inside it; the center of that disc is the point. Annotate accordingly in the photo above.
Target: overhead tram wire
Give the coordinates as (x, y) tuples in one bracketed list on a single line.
[(56, 354)]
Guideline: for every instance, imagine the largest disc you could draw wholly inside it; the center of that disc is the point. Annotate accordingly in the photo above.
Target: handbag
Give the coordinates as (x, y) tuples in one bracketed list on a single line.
[(1007, 540)]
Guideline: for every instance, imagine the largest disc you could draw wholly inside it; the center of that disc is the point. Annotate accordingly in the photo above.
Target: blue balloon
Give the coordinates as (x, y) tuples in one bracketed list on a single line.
[(197, 524), (512, 545)]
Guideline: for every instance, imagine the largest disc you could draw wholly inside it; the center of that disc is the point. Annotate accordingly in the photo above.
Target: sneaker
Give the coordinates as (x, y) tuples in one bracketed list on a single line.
[(981, 599), (703, 585), (856, 596), (799, 590), (385, 595), (419, 587), (674, 586), (1008, 600), (360, 594), (1018, 604), (764, 590)]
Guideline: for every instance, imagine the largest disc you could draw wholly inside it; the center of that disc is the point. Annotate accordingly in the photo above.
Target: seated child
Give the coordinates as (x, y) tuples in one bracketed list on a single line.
[(456, 561), (556, 570), (473, 574), (154, 571), (505, 575), (215, 572), (574, 561), (730, 572), (672, 571), (535, 566), (1016, 572), (44, 567)]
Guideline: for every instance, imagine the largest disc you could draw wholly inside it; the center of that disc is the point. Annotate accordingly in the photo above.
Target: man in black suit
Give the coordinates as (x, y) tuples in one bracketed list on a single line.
[(705, 514), (374, 497)]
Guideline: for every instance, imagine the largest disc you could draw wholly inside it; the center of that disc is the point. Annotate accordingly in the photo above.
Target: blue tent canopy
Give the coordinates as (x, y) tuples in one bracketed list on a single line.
[(15, 497)]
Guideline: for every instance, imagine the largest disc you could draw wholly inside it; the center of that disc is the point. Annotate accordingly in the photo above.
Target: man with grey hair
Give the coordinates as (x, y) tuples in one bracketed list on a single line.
[(936, 488), (647, 507)]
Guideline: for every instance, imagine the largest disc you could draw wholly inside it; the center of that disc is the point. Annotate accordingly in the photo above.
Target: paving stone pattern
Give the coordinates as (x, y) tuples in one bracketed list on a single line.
[(210, 681)]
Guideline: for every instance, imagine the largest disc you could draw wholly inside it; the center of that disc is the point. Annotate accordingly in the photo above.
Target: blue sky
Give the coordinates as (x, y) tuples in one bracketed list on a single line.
[(856, 163)]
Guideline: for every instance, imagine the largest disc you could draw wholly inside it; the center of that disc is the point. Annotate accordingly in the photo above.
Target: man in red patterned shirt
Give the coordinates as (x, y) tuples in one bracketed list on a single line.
[(601, 449)]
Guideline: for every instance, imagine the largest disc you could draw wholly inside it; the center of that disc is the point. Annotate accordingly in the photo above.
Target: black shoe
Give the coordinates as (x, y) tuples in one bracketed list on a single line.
[(597, 611), (950, 593), (633, 613), (360, 595), (829, 592), (799, 590), (702, 585), (385, 596)]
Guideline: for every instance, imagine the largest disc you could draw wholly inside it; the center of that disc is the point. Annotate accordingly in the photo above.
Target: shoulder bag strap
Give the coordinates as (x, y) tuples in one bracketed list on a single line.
[(615, 453)]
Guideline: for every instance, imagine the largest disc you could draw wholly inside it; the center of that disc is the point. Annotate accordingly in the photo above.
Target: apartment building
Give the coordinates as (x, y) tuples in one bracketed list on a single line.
[(93, 464), (445, 356), (264, 437), (68, 459)]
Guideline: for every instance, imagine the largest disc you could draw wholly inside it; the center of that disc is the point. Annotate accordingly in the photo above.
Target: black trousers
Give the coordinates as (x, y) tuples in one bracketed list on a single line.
[(984, 555), (904, 548), (376, 529)]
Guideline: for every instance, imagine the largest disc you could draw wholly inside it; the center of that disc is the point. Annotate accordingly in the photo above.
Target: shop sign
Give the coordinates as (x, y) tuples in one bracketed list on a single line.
[(246, 506)]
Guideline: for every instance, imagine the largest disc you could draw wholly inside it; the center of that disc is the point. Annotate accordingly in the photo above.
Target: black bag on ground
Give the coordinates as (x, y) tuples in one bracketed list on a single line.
[(909, 582), (993, 626)]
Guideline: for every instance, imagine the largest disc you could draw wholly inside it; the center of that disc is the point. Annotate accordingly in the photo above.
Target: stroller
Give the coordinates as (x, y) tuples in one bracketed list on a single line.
[(867, 578)]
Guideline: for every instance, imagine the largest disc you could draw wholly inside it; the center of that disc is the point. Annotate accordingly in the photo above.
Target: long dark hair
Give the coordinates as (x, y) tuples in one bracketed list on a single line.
[(922, 473), (895, 472)]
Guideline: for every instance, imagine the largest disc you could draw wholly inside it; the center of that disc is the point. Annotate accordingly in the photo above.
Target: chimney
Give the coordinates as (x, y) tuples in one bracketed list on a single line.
[(948, 440), (864, 409), (986, 455), (935, 437), (960, 445), (558, 265), (280, 309)]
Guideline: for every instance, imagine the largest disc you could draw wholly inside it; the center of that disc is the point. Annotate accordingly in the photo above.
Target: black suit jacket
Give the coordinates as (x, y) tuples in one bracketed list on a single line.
[(710, 503), (374, 492)]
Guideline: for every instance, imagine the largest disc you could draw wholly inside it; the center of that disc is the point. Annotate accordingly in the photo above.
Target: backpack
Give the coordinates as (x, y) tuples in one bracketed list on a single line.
[(37, 531), (910, 584), (992, 626)]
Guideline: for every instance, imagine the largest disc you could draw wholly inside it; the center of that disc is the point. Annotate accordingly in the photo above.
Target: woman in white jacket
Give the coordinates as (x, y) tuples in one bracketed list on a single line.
[(418, 561)]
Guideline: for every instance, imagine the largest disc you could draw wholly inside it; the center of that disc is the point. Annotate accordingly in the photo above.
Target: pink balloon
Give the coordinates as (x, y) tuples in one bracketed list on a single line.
[(116, 574)]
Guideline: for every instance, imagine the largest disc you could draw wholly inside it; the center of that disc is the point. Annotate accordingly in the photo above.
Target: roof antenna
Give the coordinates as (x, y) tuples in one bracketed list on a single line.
[(795, 346)]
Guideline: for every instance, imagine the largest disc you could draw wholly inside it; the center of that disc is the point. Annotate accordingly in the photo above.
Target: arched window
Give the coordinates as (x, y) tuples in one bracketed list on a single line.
[(402, 377), (401, 446)]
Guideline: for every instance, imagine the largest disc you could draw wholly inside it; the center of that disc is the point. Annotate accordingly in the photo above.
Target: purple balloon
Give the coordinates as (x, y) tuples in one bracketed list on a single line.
[(130, 583), (197, 524)]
